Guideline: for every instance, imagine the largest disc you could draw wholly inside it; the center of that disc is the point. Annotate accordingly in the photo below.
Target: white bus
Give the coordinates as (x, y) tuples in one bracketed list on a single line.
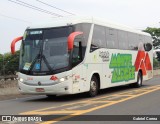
[(75, 55)]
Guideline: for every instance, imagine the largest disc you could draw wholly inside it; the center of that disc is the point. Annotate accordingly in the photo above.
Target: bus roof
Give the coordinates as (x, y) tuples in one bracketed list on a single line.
[(71, 20)]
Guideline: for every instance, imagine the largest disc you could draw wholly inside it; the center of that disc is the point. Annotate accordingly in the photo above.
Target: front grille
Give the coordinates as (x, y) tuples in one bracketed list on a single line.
[(42, 84)]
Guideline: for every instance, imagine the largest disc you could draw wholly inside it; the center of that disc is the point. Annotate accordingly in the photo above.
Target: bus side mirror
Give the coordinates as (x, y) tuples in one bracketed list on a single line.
[(71, 38), (14, 42), (148, 47)]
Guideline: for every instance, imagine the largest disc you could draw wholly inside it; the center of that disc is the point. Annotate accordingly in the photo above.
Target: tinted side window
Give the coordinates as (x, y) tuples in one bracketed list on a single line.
[(141, 39), (85, 28), (123, 40), (98, 38), (111, 36), (133, 41)]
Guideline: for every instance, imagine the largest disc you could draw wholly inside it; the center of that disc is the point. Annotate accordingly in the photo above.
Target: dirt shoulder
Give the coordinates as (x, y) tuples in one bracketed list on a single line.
[(9, 90)]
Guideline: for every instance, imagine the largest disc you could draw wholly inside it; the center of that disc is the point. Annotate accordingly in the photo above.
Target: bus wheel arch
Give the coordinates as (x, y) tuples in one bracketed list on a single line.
[(98, 78), (139, 81), (94, 84), (140, 77)]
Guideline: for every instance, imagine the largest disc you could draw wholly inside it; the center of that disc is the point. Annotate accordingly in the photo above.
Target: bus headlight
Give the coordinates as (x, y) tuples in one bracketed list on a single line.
[(64, 79)]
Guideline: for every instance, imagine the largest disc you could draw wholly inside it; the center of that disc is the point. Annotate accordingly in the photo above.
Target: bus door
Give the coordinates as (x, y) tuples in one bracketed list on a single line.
[(79, 69)]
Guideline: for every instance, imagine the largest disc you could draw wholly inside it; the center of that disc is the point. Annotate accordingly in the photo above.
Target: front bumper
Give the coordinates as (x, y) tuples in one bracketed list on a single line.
[(57, 89)]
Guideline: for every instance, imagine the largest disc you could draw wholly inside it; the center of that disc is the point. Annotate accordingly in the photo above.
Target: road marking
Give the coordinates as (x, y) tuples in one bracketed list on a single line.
[(73, 109), (85, 101)]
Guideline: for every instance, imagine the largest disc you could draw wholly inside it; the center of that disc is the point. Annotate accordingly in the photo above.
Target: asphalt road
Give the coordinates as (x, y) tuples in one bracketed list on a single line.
[(112, 101)]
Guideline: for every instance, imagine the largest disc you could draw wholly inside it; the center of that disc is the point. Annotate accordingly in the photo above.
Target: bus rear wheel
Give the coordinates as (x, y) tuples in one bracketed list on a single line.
[(93, 86), (139, 81)]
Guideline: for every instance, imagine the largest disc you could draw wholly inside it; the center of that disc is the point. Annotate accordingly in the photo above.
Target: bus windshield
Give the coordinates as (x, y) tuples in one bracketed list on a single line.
[(44, 51)]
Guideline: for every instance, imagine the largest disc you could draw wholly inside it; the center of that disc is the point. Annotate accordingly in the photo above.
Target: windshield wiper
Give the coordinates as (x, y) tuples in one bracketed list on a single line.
[(40, 57), (33, 63), (47, 64)]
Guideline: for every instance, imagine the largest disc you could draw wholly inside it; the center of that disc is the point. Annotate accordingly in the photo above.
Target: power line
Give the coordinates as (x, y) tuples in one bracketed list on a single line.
[(14, 18), (54, 7), (39, 8), (34, 7), (26, 6)]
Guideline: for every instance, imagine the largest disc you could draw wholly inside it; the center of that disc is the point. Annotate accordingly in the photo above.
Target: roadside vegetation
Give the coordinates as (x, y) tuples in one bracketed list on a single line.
[(155, 33), (9, 63)]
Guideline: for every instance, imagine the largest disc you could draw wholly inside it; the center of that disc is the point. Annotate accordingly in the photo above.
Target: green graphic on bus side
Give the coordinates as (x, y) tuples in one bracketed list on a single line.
[(123, 70)]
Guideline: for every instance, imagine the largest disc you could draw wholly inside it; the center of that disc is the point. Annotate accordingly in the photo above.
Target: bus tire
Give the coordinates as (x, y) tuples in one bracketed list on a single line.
[(139, 81), (93, 86)]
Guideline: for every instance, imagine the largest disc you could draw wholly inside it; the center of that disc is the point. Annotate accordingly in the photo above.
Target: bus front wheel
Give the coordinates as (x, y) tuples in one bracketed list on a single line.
[(93, 86)]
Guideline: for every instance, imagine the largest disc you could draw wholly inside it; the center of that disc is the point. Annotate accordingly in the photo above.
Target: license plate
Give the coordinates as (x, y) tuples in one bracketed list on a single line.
[(40, 90)]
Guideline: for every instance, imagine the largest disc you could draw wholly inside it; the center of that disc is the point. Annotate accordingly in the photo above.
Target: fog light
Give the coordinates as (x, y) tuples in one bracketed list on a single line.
[(66, 88), (21, 79)]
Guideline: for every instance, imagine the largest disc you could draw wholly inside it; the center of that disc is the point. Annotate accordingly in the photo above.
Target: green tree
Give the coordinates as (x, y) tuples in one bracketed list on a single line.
[(1, 64), (155, 33), (155, 63), (9, 63)]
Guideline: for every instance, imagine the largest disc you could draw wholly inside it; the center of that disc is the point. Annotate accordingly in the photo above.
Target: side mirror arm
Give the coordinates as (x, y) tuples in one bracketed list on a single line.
[(71, 38), (14, 42)]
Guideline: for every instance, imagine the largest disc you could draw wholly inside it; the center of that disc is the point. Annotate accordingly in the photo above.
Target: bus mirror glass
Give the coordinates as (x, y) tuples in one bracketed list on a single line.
[(14, 42), (148, 47), (71, 39)]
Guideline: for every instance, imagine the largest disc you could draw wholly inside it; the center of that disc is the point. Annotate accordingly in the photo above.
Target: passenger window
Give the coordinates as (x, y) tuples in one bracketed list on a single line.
[(98, 38), (141, 40), (111, 36), (123, 40), (133, 41), (85, 28)]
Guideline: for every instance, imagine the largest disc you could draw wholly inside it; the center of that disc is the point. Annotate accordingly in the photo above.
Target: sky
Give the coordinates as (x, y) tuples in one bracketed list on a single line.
[(14, 19)]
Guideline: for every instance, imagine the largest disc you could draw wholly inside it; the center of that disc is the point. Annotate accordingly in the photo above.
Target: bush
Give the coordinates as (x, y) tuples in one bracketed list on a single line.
[(156, 64)]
